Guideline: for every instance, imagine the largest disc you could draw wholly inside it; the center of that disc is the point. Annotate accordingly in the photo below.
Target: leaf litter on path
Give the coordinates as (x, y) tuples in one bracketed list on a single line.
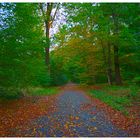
[(69, 114)]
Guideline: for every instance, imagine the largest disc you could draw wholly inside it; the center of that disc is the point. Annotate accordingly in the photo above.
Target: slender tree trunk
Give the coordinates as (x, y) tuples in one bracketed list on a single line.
[(110, 79), (47, 20), (47, 26), (47, 48)]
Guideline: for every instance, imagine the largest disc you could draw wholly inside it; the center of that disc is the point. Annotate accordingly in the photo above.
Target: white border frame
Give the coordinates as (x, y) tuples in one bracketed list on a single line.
[(74, 1)]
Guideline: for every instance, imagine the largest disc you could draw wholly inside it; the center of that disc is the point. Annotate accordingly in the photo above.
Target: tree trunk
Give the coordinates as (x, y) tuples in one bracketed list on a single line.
[(117, 66), (107, 64), (47, 26), (109, 69), (47, 49), (47, 17)]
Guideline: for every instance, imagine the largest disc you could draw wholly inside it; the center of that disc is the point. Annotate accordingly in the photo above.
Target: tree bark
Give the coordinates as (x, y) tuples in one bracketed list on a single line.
[(117, 66), (47, 20), (47, 27)]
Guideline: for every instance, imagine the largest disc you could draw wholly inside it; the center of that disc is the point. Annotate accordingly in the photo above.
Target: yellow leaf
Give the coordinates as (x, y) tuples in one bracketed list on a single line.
[(77, 118)]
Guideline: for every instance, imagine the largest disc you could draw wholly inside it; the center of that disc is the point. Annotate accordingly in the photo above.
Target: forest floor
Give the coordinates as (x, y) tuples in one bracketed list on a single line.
[(71, 113)]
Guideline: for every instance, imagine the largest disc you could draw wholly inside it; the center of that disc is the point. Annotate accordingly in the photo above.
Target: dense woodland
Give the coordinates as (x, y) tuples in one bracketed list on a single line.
[(50, 44)]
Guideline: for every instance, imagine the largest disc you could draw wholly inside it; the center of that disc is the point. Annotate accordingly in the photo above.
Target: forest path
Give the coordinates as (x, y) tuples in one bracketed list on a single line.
[(75, 116)]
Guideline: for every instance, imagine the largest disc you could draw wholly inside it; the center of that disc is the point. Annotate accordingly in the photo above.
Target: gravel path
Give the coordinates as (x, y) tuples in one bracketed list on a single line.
[(75, 116)]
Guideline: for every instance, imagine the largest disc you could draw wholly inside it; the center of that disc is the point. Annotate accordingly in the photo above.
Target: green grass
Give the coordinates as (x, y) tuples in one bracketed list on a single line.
[(118, 97), (32, 91), (40, 91)]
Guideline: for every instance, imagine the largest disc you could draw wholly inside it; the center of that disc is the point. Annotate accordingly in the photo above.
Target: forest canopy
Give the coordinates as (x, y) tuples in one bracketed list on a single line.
[(49, 44)]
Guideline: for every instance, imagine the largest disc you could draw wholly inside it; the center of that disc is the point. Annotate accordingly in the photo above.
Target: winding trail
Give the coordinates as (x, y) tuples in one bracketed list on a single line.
[(74, 117)]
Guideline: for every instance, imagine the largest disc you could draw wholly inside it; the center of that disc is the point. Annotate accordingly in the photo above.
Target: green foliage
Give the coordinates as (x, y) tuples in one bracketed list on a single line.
[(137, 80), (10, 93), (96, 24), (58, 77), (134, 92), (117, 102), (118, 97), (83, 47), (22, 53), (40, 91)]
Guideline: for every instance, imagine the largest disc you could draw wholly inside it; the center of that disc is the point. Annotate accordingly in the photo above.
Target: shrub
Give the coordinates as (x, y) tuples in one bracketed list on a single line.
[(137, 80), (10, 93)]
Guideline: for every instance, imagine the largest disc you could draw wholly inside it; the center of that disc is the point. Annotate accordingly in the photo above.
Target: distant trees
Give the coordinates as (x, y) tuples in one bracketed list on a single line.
[(106, 28)]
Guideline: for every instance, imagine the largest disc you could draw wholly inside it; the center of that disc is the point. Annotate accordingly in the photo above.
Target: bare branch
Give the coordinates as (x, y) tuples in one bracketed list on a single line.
[(49, 10), (55, 13)]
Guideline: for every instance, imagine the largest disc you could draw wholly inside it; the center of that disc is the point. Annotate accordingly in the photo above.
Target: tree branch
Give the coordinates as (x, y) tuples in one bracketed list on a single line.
[(55, 13)]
